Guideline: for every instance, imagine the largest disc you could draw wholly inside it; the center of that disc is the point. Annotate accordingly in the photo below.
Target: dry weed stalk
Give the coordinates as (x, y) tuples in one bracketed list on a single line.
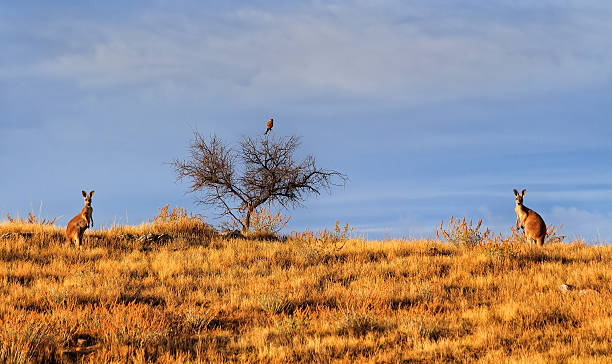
[(333, 240), (31, 220), (178, 222), (552, 234), (460, 232), (263, 221), (177, 214)]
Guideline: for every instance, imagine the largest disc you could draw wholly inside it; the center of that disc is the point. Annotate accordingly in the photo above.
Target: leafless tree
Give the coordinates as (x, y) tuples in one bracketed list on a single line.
[(259, 170)]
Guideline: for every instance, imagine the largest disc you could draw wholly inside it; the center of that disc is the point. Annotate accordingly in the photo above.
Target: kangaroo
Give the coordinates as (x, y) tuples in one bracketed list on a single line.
[(77, 226), (529, 220)]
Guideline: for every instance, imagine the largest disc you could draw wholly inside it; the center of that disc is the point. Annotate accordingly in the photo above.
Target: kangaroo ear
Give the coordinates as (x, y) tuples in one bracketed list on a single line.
[(84, 193), (523, 193), (91, 193), (515, 192)]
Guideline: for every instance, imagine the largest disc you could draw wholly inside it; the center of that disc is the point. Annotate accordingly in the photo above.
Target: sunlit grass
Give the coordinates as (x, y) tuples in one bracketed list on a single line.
[(197, 297)]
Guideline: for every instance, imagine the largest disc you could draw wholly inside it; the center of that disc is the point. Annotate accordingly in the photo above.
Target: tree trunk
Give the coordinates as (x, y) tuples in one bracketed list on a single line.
[(247, 221)]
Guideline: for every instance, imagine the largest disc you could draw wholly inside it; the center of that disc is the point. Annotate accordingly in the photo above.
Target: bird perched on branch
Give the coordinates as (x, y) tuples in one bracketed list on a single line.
[(269, 125)]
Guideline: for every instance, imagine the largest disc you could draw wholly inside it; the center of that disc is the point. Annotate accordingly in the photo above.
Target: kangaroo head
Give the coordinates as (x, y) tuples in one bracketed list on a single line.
[(519, 196), (87, 197)]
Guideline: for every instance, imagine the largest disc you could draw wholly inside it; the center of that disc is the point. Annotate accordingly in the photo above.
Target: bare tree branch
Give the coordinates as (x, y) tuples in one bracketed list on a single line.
[(269, 173)]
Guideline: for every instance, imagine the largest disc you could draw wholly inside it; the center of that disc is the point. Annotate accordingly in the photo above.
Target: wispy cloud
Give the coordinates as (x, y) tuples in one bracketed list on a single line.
[(415, 53), (596, 226)]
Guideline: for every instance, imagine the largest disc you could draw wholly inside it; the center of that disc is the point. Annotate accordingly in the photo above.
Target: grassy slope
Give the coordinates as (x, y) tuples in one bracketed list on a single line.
[(212, 300)]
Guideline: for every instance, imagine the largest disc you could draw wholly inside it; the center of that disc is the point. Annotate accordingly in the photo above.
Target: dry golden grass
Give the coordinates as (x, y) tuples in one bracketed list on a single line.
[(199, 298)]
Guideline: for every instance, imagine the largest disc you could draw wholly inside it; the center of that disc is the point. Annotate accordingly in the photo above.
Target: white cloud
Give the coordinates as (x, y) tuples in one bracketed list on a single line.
[(593, 226), (360, 50)]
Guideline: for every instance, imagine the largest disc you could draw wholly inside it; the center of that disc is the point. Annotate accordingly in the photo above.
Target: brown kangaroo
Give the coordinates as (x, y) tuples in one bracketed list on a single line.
[(529, 220), (77, 226)]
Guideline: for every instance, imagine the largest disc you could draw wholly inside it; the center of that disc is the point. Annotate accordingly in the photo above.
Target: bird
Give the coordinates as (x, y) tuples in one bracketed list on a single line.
[(269, 125)]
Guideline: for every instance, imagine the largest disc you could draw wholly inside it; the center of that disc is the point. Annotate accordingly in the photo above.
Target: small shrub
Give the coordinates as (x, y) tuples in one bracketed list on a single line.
[(264, 221), (357, 324), (502, 252), (264, 225), (274, 301), (323, 240), (516, 236), (197, 319), (179, 223), (461, 233), (22, 342), (428, 329), (548, 316), (287, 328), (283, 258)]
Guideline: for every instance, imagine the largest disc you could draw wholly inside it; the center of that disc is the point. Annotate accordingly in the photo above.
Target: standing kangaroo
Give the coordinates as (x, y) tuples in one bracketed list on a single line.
[(77, 226), (529, 220)]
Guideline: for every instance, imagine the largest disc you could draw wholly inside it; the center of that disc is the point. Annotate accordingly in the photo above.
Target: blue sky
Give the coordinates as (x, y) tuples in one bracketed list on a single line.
[(431, 108)]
